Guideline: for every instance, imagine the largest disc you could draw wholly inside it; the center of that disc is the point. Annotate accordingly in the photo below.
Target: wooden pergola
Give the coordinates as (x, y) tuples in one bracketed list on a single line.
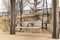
[(55, 20)]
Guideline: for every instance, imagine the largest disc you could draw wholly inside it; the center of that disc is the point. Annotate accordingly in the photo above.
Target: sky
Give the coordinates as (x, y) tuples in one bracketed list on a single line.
[(2, 7)]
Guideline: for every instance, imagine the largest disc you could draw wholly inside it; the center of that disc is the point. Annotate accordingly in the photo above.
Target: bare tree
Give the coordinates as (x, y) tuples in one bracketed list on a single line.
[(7, 5)]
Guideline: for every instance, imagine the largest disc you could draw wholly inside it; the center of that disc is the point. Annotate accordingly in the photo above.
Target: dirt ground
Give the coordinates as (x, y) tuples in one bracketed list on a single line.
[(26, 36)]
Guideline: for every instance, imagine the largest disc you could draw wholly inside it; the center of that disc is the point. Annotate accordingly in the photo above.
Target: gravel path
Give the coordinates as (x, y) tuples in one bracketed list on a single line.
[(26, 36)]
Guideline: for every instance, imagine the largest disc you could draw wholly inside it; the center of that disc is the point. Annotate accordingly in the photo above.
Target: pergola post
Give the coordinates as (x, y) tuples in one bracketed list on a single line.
[(12, 27), (55, 19)]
